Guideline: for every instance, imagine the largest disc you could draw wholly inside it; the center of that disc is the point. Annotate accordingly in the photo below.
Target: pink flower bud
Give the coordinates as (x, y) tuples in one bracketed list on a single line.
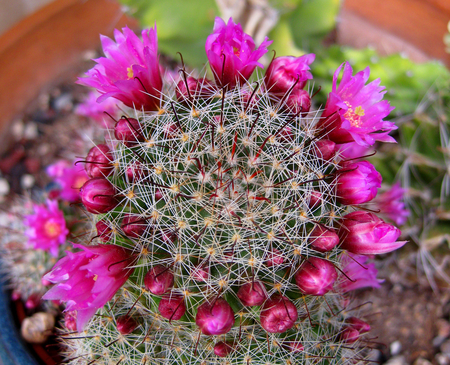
[(222, 348), (198, 88), (104, 231), (15, 295), (158, 195), (357, 183), (215, 318), (126, 324), (325, 149), (358, 324), (33, 301), (70, 320), (133, 226), (349, 335), (274, 258), (172, 307), (159, 280), (316, 276), (278, 314), (286, 135), (314, 199), (365, 234), (298, 102), (128, 130), (98, 195), (200, 273), (322, 239), (98, 161), (284, 72), (293, 346), (135, 172), (251, 294)]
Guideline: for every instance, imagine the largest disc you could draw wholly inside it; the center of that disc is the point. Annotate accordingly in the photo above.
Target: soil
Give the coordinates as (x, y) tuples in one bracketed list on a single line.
[(409, 319)]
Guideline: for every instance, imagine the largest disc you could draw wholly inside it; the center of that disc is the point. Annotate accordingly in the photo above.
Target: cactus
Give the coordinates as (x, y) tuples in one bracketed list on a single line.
[(218, 214)]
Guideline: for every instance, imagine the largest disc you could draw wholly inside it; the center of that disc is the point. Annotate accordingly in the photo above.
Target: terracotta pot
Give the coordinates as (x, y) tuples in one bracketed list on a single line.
[(414, 27), (41, 48)]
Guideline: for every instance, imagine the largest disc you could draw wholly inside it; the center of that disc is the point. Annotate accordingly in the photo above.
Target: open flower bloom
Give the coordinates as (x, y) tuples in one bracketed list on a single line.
[(90, 108), (87, 279), (231, 53), (364, 233), (359, 273), (354, 111), (285, 72), (69, 177), (391, 204), (130, 71), (46, 227)]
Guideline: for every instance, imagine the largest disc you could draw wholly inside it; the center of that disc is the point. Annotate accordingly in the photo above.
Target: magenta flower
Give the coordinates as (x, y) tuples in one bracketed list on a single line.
[(355, 111), (130, 71), (364, 233), (69, 177), (94, 110), (215, 318), (231, 53), (285, 72), (391, 204), (358, 183), (87, 279), (358, 273), (352, 150), (46, 227)]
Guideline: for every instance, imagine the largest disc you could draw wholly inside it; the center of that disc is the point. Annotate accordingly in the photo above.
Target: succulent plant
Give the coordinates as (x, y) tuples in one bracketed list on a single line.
[(221, 228)]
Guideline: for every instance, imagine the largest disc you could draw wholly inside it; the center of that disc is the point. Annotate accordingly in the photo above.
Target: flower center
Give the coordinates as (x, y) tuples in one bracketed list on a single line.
[(354, 115), (52, 229), (130, 73)]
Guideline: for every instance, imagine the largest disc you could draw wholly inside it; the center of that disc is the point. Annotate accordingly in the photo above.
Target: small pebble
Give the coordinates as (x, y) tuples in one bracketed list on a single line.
[(395, 348), (4, 187), (17, 128), (31, 130), (445, 347), (397, 360), (63, 102), (422, 361), (27, 181), (442, 359)]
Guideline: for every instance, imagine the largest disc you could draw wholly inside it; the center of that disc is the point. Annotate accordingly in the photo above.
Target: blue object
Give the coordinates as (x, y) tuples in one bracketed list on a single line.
[(12, 349)]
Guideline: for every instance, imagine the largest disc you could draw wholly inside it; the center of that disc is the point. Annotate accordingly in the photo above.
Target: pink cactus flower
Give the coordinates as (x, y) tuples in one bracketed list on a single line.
[(357, 183), (232, 54), (391, 204), (94, 110), (353, 150), (69, 177), (46, 227), (87, 279), (130, 71), (358, 273), (285, 72), (354, 111), (364, 233)]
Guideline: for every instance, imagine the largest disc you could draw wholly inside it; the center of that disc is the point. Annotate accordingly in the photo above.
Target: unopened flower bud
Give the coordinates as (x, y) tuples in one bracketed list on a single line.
[(33, 301), (70, 320), (316, 276), (358, 324), (278, 314), (98, 195), (200, 273), (357, 183), (364, 233), (251, 294), (98, 161), (104, 231), (325, 149), (274, 258), (314, 199), (298, 102), (197, 88), (133, 226), (135, 172), (172, 307), (158, 280), (126, 324), (128, 130), (322, 239), (349, 335), (215, 318), (293, 346), (222, 348)]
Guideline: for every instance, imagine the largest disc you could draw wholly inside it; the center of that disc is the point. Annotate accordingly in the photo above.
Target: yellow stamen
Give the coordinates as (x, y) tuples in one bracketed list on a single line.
[(130, 73)]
